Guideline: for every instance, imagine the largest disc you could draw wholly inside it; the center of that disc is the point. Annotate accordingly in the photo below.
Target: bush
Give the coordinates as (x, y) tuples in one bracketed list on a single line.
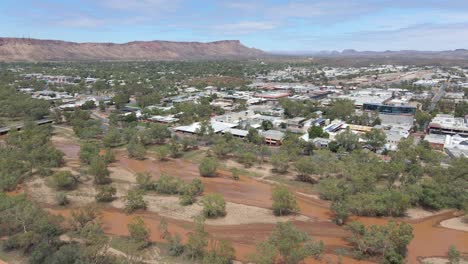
[(144, 181), (214, 205), (176, 248), (190, 191), (284, 201), (208, 167), (162, 152), (63, 180), (139, 233), (98, 168), (280, 162), (383, 203), (168, 185), (105, 194), (62, 199), (246, 158), (134, 201), (88, 151), (235, 174), (136, 150)]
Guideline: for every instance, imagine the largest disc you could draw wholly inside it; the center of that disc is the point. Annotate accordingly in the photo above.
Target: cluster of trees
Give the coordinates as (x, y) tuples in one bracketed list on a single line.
[(388, 243), (36, 233), (287, 244), (362, 184), (170, 185), (26, 152), (83, 125), (15, 105)]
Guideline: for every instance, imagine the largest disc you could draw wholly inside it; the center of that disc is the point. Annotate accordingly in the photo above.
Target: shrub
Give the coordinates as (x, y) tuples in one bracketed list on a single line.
[(235, 174), (176, 248), (190, 191), (98, 168), (139, 233), (246, 158), (62, 199), (208, 167), (134, 201), (105, 193), (284, 201), (144, 181), (63, 180), (162, 152), (168, 185), (136, 150), (280, 162), (214, 205)]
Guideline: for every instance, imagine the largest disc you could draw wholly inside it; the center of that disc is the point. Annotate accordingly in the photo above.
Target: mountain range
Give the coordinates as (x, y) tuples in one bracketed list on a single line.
[(30, 50), (37, 50)]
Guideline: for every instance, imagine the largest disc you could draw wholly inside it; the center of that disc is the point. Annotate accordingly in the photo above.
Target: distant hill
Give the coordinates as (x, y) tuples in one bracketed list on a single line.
[(350, 57), (31, 50)]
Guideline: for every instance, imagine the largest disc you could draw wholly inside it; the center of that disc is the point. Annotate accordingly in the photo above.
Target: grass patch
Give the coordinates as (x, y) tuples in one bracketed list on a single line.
[(292, 183), (194, 156)]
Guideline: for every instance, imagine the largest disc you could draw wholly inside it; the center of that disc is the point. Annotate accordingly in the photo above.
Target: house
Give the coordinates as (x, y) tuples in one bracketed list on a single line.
[(456, 146), (194, 128), (273, 137)]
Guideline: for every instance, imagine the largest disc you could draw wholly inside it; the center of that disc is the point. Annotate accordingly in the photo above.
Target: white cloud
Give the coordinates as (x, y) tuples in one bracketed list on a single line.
[(245, 27)]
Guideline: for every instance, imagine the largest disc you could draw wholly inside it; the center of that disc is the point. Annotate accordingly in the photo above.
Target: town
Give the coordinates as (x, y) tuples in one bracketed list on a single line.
[(226, 161)]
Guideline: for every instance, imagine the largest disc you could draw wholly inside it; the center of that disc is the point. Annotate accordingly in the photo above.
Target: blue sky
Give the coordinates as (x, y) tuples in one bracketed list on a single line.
[(272, 25)]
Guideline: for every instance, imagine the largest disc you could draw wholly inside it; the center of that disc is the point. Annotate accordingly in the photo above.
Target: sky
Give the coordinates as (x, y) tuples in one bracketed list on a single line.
[(270, 25)]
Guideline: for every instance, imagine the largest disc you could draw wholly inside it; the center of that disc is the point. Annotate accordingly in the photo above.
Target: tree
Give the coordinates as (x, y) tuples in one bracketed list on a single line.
[(197, 239), (106, 193), (134, 201), (284, 201), (168, 185), (317, 131), (384, 242), (88, 151), (341, 211), (280, 162), (162, 152), (461, 109), (139, 233), (306, 166), (221, 252), (136, 150), (347, 140), (190, 191), (98, 168), (208, 167), (376, 138), (214, 205), (341, 108), (83, 216), (254, 137), (113, 138), (288, 244), (267, 125), (144, 182), (176, 248), (453, 255), (63, 180)]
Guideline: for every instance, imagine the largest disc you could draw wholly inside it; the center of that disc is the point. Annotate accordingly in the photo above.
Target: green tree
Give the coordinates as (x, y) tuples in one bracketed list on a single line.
[(267, 125), (376, 138), (197, 239), (98, 168), (136, 150), (453, 255), (214, 205), (254, 137), (105, 193), (284, 201), (383, 241), (221, 252), (63, 180), (317, 131), (208, 167), (341, 108), (288, 244), (280, 162), (134, 201), (139, 233), (88, 151), (347, 140)]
